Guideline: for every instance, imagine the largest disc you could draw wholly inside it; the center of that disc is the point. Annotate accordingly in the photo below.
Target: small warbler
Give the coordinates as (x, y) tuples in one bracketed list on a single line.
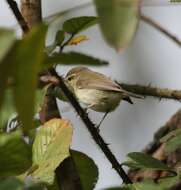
[(97, 91)]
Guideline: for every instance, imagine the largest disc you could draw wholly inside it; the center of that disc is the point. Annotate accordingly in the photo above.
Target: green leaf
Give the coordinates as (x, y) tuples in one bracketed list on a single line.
[(40, 94), (28, 57), (73, 58), (131, 164), (15, 154), (170, 135), (11, 184), (116, 188), (118, 21), (34, 186), (163, 184), (87, 170), (7, 39), (145, 161), (147, 185), (7, 109), (54, 186), (173, 144), (78, 24), (60, 36), (168, 182), (124, 187), (49, 49), (50, 148), (7, 66), (172, 140)]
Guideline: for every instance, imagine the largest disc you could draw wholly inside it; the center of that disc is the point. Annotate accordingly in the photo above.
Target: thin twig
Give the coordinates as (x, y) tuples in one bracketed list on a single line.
[(157, 26), (152, 91), (93, 130), (65, 43), (20, 19)]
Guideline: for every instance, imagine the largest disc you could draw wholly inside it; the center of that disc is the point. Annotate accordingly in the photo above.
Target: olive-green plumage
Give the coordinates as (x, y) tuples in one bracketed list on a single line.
[(97, 91)]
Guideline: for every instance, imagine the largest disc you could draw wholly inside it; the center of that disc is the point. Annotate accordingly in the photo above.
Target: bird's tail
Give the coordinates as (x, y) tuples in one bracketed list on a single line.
[(134, 95), (130, 94), (128, 99)]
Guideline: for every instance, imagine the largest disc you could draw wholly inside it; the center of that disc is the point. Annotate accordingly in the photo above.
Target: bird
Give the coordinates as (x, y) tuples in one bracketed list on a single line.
[(96, 90)]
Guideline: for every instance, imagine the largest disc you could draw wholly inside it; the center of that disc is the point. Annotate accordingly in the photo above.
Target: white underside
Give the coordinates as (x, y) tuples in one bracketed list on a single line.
[(101, 101)]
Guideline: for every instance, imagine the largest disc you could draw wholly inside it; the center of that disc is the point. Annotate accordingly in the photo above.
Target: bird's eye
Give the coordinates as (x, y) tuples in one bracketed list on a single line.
[(70, 78)]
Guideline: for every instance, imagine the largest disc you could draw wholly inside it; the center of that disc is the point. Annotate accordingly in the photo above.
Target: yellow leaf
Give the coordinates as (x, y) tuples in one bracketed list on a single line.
[(50, 148), (78, 40)]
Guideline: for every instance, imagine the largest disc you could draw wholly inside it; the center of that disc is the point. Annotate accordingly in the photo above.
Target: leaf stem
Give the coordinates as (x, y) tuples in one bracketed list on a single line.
[(66, 42)]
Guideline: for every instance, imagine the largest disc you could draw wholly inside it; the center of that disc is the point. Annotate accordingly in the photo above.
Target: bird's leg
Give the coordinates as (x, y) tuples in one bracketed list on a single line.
[(88, 107), (98, 126)]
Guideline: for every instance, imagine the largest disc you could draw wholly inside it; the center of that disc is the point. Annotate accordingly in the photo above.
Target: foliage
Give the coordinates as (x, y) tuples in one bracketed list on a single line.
[(15, 154), (172, 141), (87, 170), (72, 58), (75, 25), (33, 151), (144, 161), (118, 21), (50, 148)]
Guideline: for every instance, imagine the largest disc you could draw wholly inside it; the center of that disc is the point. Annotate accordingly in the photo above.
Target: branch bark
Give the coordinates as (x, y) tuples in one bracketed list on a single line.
[(32, 12), (152, 91), (20, 19)]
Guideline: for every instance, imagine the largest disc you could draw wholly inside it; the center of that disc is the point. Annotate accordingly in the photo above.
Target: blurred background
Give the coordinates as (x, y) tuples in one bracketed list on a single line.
[(151, 59)]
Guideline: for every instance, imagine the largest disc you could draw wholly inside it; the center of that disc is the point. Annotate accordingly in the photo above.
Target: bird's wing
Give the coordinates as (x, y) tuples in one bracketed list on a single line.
[(99, 81)]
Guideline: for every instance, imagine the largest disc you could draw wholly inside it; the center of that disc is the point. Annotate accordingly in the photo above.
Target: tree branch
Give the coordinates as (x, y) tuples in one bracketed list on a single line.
[(160, 28), (31, 10), (20, 19), (152, 91)]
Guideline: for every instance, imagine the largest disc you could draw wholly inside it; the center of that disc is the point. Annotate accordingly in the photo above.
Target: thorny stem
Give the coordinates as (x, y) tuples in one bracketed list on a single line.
[(152, 91)]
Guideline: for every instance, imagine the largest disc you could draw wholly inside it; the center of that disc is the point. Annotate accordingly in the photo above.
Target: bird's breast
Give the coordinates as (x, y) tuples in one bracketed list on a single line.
[(99, 100)]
